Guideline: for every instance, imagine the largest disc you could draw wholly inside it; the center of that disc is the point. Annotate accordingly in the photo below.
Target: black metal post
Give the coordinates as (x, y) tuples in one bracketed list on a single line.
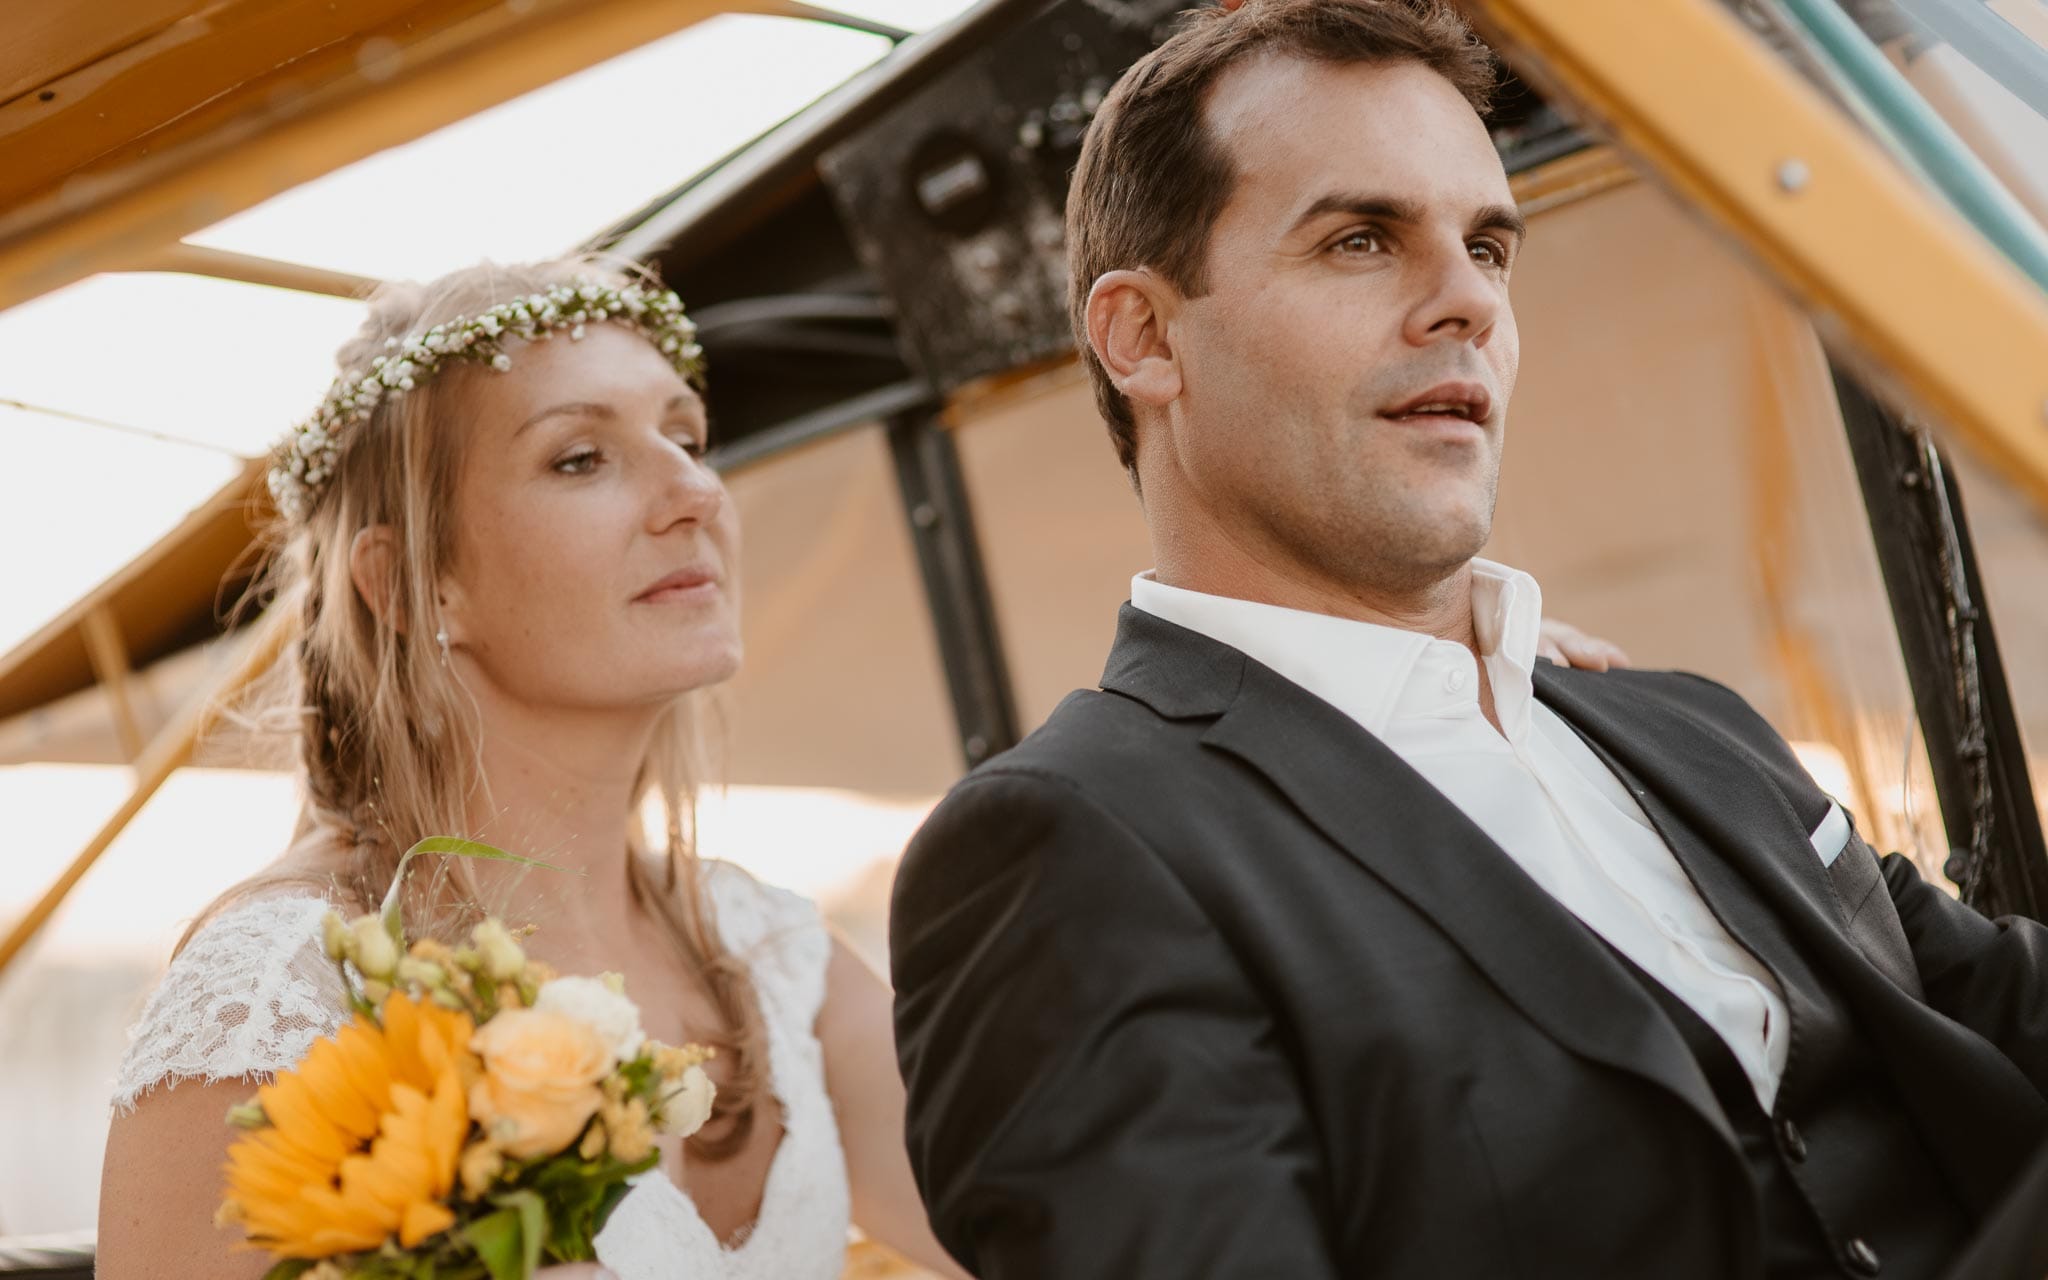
[(1999, 860), (956, 587)]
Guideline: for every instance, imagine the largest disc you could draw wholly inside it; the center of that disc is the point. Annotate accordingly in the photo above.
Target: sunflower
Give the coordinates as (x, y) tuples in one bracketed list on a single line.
[(362, 1138)]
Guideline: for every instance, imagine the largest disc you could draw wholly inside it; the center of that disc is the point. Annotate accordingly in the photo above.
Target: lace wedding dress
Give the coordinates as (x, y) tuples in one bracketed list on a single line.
[(251, 993)]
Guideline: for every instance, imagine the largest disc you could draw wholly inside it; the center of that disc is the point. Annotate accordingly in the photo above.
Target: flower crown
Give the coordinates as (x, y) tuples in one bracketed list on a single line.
[(304, 460)]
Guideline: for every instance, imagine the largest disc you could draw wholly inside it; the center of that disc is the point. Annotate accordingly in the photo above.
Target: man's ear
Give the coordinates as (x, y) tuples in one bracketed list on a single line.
[(1128, 313), (372, 557)]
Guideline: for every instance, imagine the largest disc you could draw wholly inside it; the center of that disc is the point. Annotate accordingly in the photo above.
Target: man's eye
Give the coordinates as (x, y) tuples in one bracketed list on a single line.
[(1361, 242), (1489, 253), (581, 462)]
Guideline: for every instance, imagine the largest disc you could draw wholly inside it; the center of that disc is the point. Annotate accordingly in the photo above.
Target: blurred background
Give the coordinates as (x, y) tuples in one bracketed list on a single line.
[(860, 205)]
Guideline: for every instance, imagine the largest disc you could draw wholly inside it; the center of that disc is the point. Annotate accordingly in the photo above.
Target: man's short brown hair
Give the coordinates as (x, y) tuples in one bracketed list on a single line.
[(1151, 181)]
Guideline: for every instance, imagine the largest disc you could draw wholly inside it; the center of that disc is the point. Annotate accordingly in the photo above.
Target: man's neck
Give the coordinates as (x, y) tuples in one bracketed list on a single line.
[(1438, 606)]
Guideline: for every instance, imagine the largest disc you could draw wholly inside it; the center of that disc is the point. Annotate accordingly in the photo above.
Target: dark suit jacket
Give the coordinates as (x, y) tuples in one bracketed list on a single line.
[(1203, 980)]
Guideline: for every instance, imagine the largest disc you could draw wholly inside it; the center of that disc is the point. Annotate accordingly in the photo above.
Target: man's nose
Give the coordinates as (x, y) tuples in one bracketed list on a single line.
[(1460, 300)]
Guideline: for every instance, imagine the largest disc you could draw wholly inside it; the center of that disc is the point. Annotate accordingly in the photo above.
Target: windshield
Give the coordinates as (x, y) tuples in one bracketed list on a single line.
[(1956, 90)]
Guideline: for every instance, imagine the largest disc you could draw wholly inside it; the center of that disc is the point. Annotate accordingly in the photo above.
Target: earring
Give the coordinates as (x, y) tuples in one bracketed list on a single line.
[(441, 638)]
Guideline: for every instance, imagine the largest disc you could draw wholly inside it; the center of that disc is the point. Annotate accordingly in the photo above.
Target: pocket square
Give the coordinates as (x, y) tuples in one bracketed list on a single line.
[(1832, 835)]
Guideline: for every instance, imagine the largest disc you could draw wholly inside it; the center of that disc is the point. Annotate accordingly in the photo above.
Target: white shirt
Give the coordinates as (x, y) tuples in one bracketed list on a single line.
[(1535, 787)]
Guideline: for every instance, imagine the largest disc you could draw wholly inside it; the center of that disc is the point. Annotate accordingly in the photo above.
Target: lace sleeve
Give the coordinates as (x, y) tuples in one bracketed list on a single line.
[(246, 998), (779, 935)]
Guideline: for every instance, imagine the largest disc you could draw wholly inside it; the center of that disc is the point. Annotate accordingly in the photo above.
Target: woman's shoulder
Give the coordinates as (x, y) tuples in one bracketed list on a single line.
[(780, 935), (245, 996)]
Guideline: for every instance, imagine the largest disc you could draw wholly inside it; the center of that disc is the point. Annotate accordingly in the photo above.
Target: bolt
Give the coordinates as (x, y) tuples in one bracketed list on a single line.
[(977, 747), (924, 515), (1793, 175)]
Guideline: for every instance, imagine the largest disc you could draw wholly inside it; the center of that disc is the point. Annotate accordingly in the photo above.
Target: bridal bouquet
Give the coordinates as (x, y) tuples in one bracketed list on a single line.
[(475, 1117)]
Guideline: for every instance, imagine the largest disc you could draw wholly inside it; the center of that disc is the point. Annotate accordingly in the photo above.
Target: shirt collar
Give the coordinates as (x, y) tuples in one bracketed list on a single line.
[(1376, 674)]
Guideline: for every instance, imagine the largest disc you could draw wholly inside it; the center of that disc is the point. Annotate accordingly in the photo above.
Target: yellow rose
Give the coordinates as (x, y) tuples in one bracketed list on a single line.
[(540, 1081)]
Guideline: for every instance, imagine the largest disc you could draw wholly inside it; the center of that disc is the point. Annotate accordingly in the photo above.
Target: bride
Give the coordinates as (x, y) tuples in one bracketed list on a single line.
[(513, 573)]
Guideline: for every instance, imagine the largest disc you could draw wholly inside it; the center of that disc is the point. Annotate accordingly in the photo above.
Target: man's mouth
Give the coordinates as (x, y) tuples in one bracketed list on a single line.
[(1464, 401)]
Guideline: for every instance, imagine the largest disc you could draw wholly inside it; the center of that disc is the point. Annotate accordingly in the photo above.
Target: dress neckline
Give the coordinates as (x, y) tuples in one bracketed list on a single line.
[(794, 1129), (777, 1163)]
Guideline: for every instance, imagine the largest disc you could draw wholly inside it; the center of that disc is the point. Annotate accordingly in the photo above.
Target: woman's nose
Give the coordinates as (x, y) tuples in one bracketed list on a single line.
[(689, 491)]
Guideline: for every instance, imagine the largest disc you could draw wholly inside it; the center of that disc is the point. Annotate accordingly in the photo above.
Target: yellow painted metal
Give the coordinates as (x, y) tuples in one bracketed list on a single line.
[(159, 760), (1881, 264), (46, 40), (106, 204), (157, 599), (210, 71)]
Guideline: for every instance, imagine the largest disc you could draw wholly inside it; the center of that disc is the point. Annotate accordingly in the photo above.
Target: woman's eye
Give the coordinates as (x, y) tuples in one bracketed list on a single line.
[(1489, 253), (581, 462), (692, 445), (1361, 242)]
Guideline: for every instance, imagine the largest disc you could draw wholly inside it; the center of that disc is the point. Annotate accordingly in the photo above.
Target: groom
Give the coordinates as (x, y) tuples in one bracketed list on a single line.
[(1335, 935)]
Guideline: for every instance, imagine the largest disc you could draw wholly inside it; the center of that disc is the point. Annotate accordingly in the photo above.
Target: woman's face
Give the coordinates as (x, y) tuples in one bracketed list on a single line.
[(597, 556)]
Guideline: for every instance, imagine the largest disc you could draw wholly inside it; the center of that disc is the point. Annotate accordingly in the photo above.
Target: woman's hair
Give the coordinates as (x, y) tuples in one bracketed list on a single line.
[(388, 740)]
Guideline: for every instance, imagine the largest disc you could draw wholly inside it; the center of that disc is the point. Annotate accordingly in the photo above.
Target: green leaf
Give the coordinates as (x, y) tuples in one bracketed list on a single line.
[(290, 1269), (533, 1224), (497, 1239), (450, 846)]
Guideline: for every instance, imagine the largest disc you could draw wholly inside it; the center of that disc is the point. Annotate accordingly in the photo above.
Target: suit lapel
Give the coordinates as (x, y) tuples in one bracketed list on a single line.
[(1391, 821), (1697, 782), (1727, 824), (1732, 830)]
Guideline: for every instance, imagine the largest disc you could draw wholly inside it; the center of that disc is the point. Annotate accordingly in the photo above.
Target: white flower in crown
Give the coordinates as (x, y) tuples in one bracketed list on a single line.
[(307, 456)]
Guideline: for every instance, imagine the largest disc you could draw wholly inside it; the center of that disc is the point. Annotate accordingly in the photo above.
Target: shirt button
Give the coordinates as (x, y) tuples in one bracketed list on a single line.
[(1454, 681), (1862, 1259), (1792, 1142)]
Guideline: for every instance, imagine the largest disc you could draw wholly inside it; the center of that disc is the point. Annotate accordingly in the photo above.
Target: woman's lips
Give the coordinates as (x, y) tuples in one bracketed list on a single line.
[(685, 587)]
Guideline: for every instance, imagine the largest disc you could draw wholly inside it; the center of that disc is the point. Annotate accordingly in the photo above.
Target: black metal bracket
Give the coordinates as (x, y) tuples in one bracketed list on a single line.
[(1952, 660), (935, 503)]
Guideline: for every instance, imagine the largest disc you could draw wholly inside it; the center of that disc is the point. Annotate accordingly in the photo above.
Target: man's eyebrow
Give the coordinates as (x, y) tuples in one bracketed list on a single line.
[(577, 408), (1394, 209), (1500, 217), (1359, 205)]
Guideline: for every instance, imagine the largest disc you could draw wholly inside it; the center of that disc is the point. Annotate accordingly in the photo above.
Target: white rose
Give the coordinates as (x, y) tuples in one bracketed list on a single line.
[(686, 1110), (590, 1000)]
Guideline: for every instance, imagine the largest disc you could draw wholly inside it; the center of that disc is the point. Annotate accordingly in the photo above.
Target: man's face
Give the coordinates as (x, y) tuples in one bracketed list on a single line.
[(1345, 379)]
